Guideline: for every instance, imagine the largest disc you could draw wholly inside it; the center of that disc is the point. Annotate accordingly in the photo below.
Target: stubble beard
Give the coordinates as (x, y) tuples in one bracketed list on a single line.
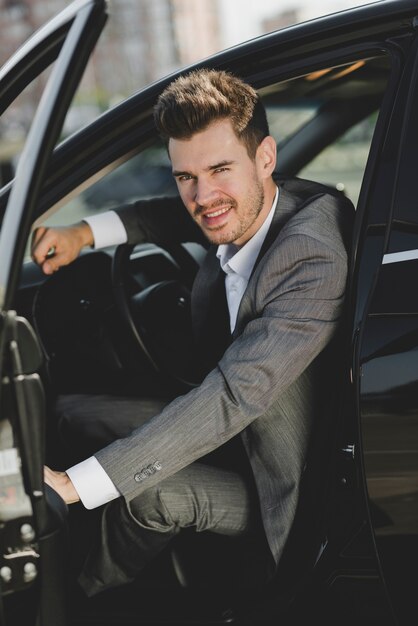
[(247, 214)]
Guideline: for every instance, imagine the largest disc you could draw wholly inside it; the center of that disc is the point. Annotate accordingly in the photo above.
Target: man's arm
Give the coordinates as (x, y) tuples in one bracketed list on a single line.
[(163, 221)]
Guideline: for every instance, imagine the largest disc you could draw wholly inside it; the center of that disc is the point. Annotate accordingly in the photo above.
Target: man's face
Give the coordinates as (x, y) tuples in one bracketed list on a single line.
[(222, 188)]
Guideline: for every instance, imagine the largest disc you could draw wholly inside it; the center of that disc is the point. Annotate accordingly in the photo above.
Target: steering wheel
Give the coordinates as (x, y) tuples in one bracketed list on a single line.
[(157, 319)]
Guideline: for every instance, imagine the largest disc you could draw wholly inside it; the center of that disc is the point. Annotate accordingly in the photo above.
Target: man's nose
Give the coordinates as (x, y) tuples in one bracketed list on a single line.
[(205, 192)]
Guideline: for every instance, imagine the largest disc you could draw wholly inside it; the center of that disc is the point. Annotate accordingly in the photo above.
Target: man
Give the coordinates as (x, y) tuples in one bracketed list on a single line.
[(279, 255)]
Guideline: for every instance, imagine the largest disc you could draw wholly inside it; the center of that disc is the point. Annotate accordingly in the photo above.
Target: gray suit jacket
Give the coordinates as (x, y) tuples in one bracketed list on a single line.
[(263, 386)]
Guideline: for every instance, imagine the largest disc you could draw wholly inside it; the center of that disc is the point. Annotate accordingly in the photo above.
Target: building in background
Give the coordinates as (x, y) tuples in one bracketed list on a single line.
[(301, 11), (244, 19), (143, 41), (196, 26)]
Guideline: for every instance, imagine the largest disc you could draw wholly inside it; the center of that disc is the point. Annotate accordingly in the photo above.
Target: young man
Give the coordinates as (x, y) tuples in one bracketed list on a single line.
[(279, 256)]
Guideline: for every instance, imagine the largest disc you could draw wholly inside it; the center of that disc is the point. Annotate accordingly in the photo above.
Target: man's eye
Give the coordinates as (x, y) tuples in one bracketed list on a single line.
[(184, 177), (221, 169)]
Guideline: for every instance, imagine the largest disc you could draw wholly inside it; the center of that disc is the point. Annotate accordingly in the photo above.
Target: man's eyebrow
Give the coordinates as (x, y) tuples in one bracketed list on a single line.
[(178, 173), (220, 164), (210, 168)]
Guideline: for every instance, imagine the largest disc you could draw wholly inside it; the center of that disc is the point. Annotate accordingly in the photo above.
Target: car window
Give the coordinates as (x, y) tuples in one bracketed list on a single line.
[(15, 124), (284, 121), (88, 103), (342, 164), (145, 175)]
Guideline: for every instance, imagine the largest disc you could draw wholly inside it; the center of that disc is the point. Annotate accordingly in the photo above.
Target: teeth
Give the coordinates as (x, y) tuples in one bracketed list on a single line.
[(216, 213)]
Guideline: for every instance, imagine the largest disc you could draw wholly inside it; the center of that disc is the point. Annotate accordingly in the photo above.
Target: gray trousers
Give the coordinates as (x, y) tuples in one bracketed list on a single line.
[(203, 496)]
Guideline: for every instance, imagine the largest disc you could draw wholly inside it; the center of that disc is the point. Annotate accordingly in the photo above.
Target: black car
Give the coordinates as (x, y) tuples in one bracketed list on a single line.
[(341, 94)]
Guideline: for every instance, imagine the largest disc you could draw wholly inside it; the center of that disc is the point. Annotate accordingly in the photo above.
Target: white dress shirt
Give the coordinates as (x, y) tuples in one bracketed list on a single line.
[(238, 263), (107, 229), (89, 478)]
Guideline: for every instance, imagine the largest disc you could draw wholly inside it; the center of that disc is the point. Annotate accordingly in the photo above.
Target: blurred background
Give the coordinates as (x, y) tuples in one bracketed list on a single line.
[(143, 41)]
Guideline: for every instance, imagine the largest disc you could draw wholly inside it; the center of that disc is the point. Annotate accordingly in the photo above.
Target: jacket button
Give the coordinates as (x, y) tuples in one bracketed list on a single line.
[(147, 471)]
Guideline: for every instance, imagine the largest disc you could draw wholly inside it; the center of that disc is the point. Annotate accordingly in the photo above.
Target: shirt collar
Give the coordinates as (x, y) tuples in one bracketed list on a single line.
[(242, 260)]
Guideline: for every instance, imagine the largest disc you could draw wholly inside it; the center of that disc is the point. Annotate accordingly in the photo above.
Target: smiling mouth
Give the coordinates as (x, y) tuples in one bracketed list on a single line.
[(217, 213)]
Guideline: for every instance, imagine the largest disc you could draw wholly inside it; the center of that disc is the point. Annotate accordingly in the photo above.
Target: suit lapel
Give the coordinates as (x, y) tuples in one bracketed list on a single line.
[(286, 207), (209, 306)]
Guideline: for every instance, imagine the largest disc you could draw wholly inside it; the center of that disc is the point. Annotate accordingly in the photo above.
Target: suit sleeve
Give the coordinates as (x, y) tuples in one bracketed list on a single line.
[(298, 297), (163, 221)]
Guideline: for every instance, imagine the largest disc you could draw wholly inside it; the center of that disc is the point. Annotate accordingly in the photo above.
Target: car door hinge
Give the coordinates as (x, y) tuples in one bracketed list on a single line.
[(19, 554)]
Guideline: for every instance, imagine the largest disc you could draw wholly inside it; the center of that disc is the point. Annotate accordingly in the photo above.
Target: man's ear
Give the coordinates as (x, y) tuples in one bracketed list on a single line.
[(266, 157)]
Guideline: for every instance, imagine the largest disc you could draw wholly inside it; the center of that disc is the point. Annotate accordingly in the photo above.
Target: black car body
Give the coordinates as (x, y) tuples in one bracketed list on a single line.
[(344, 88)]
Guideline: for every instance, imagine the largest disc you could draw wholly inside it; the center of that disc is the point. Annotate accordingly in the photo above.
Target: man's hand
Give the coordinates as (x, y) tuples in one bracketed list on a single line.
[(61, 483), (54, 247)]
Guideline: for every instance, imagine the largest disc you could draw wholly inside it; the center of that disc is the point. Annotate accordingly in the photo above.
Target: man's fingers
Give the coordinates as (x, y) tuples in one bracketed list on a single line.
[(48, 251), (37, 234), (61, 483), (52, 477), (42, 242), (53, 263), (49, 473)]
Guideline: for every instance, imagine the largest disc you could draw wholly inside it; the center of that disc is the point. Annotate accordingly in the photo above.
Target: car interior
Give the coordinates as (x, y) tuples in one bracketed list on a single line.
[(118, 321)]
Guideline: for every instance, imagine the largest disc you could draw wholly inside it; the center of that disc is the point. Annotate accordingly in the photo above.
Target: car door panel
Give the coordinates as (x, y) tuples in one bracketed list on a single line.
[(32, 520), (388, 366)]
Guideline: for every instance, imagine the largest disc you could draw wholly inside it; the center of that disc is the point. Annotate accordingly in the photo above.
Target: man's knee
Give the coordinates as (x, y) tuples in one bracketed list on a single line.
[(149, 511), (165, 507)]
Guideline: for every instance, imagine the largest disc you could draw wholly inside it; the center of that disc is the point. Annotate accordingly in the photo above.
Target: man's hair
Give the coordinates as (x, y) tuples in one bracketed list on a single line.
[(192, 102)]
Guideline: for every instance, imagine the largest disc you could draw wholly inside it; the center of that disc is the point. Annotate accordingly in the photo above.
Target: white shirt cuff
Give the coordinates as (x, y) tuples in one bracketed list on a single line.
[(92, 483), (107, 228)]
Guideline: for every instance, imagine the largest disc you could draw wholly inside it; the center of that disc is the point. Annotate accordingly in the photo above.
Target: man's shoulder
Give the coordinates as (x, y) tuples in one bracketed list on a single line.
[(304, 191), (317, 211)]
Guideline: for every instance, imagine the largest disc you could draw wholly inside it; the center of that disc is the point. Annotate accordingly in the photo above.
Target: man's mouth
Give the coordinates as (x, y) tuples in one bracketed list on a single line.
[(218, 212)]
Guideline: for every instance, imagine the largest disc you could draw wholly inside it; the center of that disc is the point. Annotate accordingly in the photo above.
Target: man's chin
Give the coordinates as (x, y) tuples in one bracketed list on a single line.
[(217, 239)]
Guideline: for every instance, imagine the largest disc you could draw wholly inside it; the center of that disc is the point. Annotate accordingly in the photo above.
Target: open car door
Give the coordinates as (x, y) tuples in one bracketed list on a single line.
[(32, 519)]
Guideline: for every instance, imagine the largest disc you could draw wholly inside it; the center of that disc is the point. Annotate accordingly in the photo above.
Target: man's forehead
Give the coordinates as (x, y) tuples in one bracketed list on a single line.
[(217, 143)]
